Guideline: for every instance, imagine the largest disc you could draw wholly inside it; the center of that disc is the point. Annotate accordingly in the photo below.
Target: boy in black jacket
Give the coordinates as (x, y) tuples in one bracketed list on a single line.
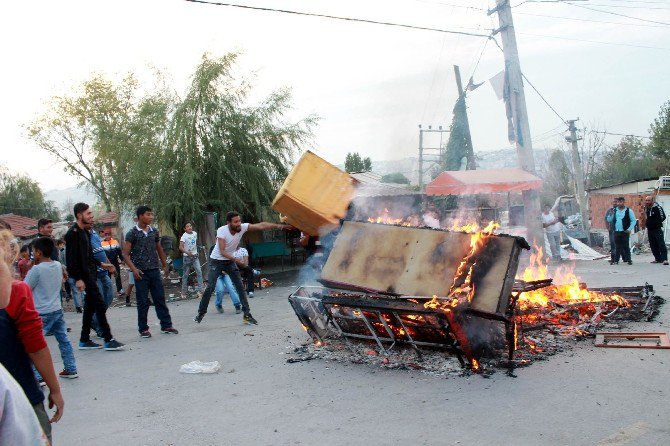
[(81, 266), (654, 224)]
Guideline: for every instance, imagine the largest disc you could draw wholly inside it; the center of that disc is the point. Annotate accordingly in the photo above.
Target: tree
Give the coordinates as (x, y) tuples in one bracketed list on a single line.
[(20, 195), (222, 153), (660, 136), (558, 179), (630, 160), (396, 177), (355, 163), (108, 136)]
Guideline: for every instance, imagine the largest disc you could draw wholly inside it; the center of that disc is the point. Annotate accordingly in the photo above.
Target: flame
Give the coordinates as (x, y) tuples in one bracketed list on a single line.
[(475, 365), (566, 288)]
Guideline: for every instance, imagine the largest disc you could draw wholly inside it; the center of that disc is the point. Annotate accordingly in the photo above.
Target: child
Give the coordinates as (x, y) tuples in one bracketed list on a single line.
[(23, 343), (45, 279), (25, 263)]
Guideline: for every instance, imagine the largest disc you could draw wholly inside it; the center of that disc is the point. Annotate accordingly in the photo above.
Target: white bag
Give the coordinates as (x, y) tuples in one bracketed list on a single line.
[(200, 367)]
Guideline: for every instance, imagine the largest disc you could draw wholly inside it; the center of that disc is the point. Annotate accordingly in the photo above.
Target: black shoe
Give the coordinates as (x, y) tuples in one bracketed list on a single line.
[(78, 309), (198, 317), (49, 333), (249, 319), (219, 309), (145, 334), (89, 345), (169, 330), (113, 345), (629, 262)]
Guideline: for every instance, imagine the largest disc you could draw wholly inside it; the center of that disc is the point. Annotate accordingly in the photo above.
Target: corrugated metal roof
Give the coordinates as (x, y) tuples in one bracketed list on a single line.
[(22, 227)]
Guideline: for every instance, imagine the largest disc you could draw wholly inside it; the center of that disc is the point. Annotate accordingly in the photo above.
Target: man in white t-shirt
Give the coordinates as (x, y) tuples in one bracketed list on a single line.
[(188, 245), (552, 228), (222, 259)]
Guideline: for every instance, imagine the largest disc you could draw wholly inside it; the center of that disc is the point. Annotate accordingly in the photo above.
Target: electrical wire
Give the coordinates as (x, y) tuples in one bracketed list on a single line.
[(543, 98), (349, 19), (601, 42), (616, 14), (647, 25)]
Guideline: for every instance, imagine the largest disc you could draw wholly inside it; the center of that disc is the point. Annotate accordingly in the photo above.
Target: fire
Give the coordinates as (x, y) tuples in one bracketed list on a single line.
[(566, 288), (475, 365)]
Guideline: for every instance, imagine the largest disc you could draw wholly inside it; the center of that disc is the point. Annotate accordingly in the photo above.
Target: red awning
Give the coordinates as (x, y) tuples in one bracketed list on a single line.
[(465, 182)]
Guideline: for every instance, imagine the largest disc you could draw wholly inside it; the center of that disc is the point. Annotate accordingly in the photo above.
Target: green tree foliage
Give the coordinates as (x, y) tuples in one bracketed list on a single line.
[(108, 135), (660, 136), (395, 177), (21, 195), (459, 145), (355, 163), (222, 153), (630, 160)]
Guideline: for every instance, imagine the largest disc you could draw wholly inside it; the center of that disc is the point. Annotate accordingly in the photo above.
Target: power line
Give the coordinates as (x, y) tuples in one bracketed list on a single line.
[(542, 97), (616, 13), (601, 42), (349, 19), (589, 20)]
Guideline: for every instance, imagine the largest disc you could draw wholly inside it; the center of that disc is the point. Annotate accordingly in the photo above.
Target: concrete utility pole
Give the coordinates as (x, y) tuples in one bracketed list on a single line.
[(579, 178), (420, 159), (524, 146)]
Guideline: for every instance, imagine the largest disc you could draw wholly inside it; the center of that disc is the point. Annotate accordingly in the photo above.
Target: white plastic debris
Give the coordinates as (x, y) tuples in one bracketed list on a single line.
[(200, 367)]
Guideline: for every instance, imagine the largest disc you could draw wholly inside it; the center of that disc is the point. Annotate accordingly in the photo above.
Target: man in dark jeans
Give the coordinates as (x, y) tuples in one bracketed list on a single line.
[(81, 267), (623, 220), (141, 251), (609, 221), (222, 259), (654, 224)]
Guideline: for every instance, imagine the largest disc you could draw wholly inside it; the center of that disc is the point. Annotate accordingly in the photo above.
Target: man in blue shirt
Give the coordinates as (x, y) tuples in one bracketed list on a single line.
[(623, 221)]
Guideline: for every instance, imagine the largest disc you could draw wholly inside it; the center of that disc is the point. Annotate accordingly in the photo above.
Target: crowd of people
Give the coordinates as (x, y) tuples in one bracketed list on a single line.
[(35, 277), (621, 223)]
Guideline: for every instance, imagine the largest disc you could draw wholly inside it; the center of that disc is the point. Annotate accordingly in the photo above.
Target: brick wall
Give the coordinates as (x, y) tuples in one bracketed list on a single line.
[(599, 203)]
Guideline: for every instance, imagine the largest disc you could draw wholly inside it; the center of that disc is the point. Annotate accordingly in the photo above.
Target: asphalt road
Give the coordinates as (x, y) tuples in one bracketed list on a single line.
[(586, 396)]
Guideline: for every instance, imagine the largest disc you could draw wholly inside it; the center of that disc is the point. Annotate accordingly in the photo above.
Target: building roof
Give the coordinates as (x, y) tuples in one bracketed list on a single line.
[(108, 218), (642, 180), (465, 182), (22, 227), (370, 185)]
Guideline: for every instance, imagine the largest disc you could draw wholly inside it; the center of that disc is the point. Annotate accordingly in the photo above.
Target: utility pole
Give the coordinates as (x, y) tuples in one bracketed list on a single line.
[(420, 159), (517, 102), (579, 178), (470, 164)]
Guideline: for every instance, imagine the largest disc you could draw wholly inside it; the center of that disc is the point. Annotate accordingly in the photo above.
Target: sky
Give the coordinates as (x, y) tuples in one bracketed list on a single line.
[(371, 85)]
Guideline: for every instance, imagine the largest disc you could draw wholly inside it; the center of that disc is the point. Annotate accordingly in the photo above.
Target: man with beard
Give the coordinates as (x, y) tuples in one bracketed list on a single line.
[(82, 267), (654, 224)]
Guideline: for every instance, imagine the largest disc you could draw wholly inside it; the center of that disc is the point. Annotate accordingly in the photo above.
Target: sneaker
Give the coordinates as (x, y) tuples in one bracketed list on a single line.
[(198, 317), (238, 309), (654, 261), (250, 294), (169, 330), (219, 309), (69, 329), (121, 293), (99, 336), (78, 309), (68, 375), (629, 262), (145, 334), (665, 263), (89, 345), (113, 345), (249, 319)]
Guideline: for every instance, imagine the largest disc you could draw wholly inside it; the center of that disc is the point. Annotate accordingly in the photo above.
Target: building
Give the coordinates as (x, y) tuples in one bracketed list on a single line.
[(24, 228), (634, 192)]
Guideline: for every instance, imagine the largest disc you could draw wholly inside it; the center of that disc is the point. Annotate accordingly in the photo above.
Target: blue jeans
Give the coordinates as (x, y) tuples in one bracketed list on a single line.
[(151, 282), (107, 290), (189, 264), (225, 285), (55, 323), (76, 294)]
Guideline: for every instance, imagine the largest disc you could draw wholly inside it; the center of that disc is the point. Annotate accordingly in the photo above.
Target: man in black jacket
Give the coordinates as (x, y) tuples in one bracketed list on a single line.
[(654, 224), (82, 267)]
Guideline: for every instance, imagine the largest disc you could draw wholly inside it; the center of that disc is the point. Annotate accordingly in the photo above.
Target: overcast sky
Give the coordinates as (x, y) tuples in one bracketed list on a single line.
[(372, 85)]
